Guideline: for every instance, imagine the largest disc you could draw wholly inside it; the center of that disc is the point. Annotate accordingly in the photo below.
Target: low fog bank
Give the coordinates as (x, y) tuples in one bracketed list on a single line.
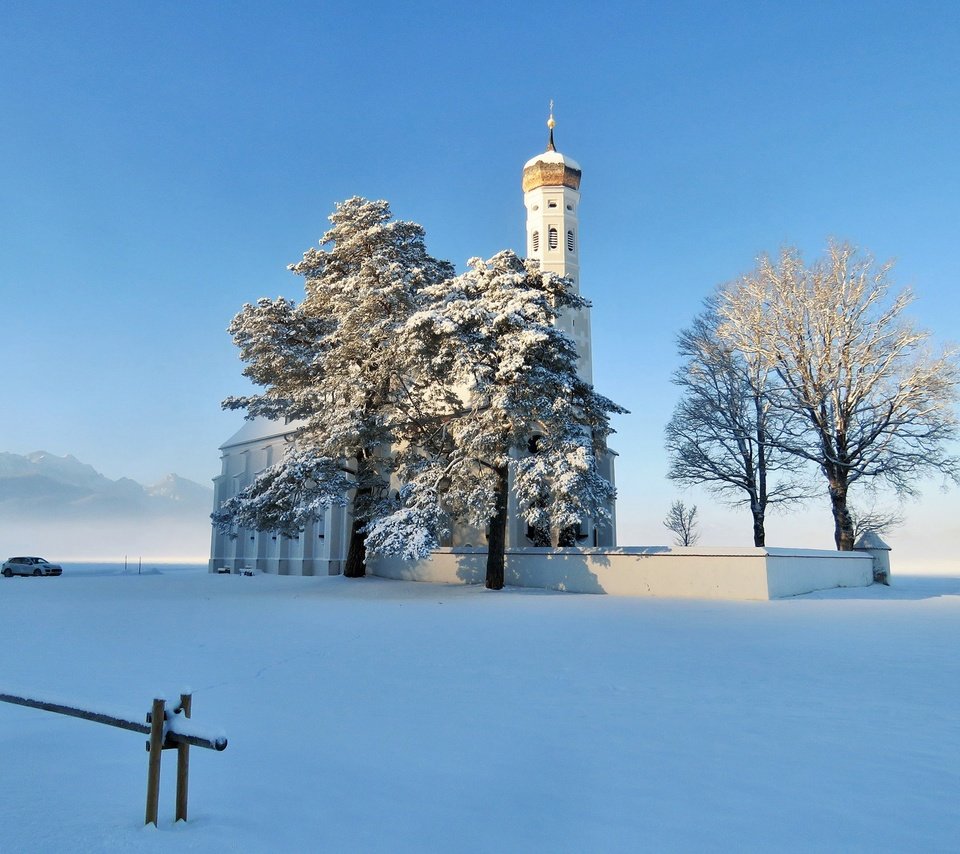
[(174, 540)]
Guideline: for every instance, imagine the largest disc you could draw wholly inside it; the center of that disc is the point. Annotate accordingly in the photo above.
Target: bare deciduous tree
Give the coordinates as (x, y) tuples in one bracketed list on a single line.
[(871, 401), (873, 519), (724, 429), (682, 520)]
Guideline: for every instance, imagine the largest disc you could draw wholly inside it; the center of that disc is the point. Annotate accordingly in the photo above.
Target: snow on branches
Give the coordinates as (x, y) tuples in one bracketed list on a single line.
[(332, 365), (507, 374), (866, 399), (415, 393), (285, 496)]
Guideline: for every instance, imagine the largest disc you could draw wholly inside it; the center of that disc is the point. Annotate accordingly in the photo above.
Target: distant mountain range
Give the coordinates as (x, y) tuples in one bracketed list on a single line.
[(43, 486)]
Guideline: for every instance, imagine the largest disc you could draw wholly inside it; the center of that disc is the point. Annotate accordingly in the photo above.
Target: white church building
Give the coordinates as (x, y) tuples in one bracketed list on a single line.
[(551, 195)]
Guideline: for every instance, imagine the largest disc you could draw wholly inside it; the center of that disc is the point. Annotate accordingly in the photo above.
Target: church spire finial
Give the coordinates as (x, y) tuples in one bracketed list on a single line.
[(551, 124)]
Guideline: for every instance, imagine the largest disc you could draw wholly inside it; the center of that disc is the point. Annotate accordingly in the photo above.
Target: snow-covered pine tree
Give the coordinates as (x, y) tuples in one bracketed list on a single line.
[(333, 367), (492, 333)]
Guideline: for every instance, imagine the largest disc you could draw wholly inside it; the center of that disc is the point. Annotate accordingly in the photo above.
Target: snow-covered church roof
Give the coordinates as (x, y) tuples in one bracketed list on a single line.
[(553, 156), (551, 169), (259, 430)]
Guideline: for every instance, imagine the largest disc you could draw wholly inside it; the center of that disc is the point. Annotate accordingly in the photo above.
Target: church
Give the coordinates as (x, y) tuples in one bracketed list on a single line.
[(551, 196)]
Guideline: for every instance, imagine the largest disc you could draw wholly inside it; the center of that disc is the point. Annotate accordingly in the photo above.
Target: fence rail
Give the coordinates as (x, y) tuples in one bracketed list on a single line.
[(163, 736)]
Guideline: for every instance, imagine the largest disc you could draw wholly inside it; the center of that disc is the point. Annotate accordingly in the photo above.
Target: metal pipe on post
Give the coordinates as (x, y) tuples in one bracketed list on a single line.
[(183, 763), (155, 746)]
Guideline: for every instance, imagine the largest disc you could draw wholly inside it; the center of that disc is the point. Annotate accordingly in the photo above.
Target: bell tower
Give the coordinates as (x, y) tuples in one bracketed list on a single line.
[(551, 195)]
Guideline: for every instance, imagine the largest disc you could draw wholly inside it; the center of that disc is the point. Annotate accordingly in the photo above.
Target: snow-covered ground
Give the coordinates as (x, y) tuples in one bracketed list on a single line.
[(375, 715)]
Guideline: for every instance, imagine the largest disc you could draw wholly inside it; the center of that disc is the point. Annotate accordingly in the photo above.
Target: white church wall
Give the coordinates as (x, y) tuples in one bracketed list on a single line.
[(316, 550), (729, 573)]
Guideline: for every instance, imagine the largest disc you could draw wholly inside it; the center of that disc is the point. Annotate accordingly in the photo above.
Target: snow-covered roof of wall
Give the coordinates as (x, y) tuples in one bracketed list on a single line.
[(871, 540)]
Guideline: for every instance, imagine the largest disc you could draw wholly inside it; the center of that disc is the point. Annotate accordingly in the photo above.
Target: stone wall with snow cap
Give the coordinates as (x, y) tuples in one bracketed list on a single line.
[(721, 573)]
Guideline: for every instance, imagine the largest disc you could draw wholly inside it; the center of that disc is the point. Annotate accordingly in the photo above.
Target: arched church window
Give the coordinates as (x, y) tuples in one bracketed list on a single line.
[(536, 241), (569, 241), (552, 203), (552, 238)]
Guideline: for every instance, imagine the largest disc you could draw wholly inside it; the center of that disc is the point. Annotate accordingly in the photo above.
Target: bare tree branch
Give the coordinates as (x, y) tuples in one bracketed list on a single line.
[(682, 520), (873, 519), (724, 430)]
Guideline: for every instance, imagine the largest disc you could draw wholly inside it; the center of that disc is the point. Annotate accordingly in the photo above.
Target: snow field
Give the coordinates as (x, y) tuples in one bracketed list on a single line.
[(373, 715)]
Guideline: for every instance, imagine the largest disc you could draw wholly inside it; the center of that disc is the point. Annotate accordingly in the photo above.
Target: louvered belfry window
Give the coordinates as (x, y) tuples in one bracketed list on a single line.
[(569, 241), (536, 241), (553, 240)]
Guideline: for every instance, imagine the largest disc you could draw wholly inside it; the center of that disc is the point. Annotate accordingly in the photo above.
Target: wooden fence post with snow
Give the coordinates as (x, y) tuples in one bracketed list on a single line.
[(183, 762), (164, 735), (156, 719)]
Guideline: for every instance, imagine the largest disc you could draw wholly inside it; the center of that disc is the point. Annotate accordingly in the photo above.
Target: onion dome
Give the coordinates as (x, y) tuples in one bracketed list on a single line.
[(551, 169)]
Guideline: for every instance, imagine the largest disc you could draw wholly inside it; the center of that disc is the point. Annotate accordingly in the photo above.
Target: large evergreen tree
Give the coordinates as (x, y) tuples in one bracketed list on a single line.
[(510, 375), (333, 367)]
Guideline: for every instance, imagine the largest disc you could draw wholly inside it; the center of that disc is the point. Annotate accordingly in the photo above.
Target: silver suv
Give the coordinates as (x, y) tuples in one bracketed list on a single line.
[(30, 566)]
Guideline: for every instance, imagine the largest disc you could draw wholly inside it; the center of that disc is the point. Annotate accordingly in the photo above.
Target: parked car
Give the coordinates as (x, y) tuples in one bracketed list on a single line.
[(30, 566)]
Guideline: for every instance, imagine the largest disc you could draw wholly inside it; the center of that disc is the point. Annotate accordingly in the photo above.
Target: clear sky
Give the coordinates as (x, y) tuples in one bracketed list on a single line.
[(162, 163)]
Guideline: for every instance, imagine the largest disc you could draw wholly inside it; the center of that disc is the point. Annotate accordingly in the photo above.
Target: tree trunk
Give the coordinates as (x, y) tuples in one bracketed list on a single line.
[(842, 521), (497, 532), (356, 565), (759, 534), (758, 492)]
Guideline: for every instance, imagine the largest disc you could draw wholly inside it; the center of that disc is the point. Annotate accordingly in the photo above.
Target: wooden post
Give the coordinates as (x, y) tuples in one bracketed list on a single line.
[(155, 746), (159, 741), (183, 763)]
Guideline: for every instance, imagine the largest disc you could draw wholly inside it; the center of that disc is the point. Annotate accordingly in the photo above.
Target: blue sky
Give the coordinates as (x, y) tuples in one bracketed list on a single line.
[(161, 164)]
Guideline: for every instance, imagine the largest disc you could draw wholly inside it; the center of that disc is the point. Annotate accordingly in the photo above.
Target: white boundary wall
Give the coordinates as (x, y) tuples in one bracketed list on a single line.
[(721, 573)]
